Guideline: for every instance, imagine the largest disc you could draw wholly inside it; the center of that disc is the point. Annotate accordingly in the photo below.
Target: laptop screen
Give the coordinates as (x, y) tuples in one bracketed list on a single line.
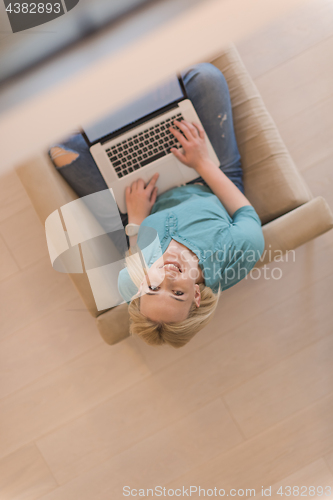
[(164, 94)]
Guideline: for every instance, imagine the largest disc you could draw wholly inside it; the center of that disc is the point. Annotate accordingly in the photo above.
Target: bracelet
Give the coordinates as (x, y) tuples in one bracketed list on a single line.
[(132, 229)]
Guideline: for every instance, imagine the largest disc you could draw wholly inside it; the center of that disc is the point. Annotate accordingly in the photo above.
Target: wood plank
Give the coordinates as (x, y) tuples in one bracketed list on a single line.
[(13, 197), (46, 345), (298, 84), (287, 37), (24, 475), (31, 294), (329, 460), (157, 459), (263, 460), (182, 387), (320, 179), (272, 455), (315, 475), (8, 265), (67, 393), (308, 135), (25, 237), (292, 384)]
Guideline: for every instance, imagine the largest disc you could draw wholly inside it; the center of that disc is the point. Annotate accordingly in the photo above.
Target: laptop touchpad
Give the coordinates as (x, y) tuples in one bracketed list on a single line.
[(170, 174)]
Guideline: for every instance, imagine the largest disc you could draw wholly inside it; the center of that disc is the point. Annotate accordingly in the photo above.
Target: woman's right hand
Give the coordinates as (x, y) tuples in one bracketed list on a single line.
[(195, 153), (140, 198)]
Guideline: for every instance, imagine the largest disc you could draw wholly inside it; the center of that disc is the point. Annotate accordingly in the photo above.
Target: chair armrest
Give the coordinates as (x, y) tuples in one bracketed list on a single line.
[(113, 325), (296, 228)]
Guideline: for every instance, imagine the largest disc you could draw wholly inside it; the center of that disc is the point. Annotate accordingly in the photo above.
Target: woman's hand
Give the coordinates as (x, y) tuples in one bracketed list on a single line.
[(140, 198), (194, 144)]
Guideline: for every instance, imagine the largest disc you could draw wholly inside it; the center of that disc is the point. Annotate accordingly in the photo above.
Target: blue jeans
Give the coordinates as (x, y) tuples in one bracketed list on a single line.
[(208, 90)]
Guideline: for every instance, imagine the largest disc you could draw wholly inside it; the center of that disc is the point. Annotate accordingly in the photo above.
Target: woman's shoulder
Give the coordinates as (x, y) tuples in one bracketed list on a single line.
[(241, 246), (246, 230)]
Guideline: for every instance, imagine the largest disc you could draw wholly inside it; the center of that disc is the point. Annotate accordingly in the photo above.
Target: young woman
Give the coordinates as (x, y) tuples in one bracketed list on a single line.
[(209, 235)]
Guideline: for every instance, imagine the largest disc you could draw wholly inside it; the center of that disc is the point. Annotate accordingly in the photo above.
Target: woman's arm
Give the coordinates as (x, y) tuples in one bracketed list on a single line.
[(226, 191), (196, 156)]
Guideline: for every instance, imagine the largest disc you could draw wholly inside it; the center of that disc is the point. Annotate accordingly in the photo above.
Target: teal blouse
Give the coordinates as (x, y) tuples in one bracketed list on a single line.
[(227, 247)]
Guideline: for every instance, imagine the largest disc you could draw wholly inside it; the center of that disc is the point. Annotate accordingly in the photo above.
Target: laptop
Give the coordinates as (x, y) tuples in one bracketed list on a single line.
[(134, 142)]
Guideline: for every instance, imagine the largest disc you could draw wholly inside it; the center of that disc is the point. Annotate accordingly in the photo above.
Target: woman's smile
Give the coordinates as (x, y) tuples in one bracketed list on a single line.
[(173, 266)]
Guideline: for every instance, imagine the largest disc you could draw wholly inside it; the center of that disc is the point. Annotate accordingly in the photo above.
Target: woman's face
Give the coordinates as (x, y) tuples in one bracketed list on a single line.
[(170, 287)]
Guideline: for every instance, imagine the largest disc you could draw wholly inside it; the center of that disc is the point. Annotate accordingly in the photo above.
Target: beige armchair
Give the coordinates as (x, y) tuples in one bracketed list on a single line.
[(290, 214)]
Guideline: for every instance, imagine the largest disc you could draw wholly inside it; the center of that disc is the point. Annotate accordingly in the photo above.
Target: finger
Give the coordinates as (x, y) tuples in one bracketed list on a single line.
[(200, 130), (127, 192), (185, 129), (181, 157), (192, 128), (151, 184), (153, 196), (179, 136), (132, 187), (140, 184)]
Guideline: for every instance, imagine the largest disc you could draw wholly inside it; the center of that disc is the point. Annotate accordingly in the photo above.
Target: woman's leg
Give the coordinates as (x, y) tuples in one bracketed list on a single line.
[(208, 90), (209, 93), (77, 167)]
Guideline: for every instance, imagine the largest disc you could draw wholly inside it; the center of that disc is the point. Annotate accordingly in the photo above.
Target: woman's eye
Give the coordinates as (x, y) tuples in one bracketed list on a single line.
[(178, 293), (153, 288)]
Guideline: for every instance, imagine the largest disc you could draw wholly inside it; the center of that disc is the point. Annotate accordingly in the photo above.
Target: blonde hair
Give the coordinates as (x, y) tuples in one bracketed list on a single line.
[(174, 334)]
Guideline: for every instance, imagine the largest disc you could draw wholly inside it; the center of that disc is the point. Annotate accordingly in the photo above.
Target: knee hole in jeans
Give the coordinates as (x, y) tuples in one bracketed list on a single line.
[(61, 157)]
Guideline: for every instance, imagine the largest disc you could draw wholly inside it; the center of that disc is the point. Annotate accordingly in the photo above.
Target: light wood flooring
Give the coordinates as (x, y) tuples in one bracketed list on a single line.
[(248, 403)]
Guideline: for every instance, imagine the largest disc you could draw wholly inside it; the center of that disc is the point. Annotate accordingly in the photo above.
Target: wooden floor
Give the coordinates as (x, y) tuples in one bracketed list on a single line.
[(248, 403)]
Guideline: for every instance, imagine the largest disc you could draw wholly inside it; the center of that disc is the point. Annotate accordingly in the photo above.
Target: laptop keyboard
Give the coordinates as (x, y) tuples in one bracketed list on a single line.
[(143, 148)]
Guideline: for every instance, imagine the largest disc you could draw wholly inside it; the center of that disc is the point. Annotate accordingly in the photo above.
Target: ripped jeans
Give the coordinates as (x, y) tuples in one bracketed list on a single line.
[(207, 88)]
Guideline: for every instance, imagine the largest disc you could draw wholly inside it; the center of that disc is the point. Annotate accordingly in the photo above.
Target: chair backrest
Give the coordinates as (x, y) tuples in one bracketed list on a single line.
[(272, 182)]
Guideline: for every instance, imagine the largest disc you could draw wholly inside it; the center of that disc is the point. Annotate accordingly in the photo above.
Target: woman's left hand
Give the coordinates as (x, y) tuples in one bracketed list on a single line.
[(140, 199)]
